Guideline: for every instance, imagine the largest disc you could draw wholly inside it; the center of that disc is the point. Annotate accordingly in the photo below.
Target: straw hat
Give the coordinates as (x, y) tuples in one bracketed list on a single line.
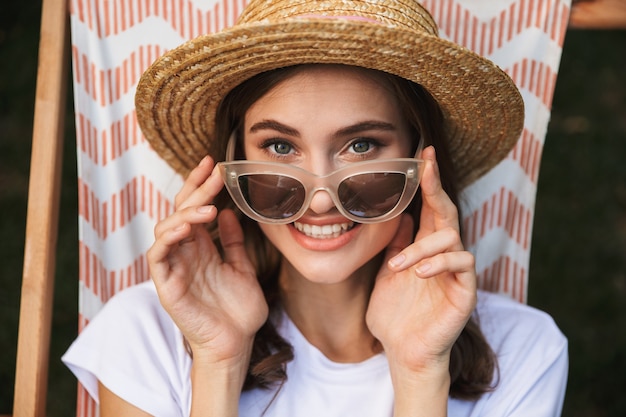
[(178, 95)]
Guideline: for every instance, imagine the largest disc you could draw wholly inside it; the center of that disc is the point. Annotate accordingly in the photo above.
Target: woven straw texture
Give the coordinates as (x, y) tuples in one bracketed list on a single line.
[(125, 187), (178, 96)]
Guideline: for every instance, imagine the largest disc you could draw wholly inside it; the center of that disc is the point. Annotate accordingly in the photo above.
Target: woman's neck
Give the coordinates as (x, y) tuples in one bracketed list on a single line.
[(332, 316)]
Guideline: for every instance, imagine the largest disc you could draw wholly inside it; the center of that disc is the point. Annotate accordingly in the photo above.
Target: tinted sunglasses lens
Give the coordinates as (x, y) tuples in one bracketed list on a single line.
[(371, 195), (272, 196)]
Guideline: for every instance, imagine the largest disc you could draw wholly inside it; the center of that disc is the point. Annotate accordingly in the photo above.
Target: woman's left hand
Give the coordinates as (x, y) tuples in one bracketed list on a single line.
[(425, 291)]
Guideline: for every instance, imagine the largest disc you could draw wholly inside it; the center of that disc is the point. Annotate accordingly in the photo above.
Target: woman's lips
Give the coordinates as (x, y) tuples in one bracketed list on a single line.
[(323, 237)]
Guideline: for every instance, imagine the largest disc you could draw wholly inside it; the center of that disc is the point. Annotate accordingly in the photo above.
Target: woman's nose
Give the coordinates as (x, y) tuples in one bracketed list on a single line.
[(321, 202)]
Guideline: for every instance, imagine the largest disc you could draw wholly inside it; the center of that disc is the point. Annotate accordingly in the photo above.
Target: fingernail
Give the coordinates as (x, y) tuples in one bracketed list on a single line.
[(397, 260), (204, 161), (423, 268), (205, 209)]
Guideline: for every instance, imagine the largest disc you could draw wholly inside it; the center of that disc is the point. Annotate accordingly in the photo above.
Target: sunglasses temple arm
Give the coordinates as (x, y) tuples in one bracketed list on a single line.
[(230, 148), (420, 147)]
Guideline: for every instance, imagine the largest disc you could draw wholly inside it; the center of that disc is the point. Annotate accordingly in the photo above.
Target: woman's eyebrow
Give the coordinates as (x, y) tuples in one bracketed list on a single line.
[(345, 131), (274, 125), (365, 126)]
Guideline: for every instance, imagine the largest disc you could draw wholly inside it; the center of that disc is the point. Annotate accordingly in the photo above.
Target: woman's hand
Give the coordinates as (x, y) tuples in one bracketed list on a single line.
[(426, 289), (217, 303)]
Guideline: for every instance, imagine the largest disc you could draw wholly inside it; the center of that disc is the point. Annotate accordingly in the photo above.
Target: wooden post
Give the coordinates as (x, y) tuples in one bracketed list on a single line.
[(43, 213), (598, 14)]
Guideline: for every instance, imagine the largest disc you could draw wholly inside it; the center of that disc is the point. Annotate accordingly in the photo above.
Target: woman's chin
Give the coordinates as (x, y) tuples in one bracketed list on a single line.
[(333, 272)]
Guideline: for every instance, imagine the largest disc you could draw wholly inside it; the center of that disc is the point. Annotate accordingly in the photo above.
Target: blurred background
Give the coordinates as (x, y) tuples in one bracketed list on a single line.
[(578, 263)]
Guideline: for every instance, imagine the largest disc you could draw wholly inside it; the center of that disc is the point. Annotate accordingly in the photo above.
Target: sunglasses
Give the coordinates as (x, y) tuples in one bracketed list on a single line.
[(279, 193)]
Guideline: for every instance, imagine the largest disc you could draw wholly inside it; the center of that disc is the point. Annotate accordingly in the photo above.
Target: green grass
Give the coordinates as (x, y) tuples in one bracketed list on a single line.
[(578, 264)]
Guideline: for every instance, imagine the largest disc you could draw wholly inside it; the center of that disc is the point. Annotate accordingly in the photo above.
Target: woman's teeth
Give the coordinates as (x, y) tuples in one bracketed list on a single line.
[(326, 231)]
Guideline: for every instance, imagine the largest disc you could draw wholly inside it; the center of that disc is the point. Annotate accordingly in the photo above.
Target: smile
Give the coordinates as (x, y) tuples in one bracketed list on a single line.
[(327, 231)]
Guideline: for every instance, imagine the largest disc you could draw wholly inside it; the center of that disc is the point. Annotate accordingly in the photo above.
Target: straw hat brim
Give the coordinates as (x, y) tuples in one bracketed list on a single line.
[(178, 95)]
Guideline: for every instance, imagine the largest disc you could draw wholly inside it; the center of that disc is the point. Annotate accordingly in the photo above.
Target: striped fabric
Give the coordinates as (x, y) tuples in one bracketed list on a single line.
[(124, 188)]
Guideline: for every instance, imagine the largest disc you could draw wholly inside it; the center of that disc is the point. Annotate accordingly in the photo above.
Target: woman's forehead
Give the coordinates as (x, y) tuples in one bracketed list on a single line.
[(325, 94)]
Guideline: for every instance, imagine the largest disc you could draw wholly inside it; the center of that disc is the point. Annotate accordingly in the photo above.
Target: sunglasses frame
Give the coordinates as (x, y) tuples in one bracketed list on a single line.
[(231, 171)]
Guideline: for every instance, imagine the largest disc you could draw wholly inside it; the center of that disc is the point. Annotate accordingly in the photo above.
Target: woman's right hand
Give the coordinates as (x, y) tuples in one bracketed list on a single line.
[(217, 303)]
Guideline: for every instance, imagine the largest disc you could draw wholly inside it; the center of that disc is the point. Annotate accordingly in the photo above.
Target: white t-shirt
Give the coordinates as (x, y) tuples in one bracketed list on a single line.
[(133, 347)]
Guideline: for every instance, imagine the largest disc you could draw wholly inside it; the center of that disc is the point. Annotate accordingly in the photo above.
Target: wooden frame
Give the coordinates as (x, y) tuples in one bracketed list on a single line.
[(598, 14), (42, 217), (44, 190)]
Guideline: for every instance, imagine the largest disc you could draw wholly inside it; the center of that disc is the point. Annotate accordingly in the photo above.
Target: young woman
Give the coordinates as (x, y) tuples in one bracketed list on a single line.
[(305, 273)]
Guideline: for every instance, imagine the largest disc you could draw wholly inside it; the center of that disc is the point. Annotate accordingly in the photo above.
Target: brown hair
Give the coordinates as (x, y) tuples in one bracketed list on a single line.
[(472, 363)]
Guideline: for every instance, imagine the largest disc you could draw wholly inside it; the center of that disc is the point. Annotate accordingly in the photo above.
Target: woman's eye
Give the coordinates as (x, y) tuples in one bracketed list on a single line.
[(280, 148), (361, 146)]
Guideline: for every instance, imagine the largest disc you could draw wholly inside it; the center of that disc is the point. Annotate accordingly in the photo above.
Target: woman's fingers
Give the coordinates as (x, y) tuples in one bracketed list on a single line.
[(442, 241), (437, 247), (192, 210), (190, 215), (438, 211), (173, 233), (402, 239), (201, 186), (454, 262), (196, 177), (232, 239)]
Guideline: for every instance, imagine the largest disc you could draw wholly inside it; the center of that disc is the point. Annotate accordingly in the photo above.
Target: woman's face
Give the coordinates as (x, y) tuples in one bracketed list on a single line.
[(320, 119)]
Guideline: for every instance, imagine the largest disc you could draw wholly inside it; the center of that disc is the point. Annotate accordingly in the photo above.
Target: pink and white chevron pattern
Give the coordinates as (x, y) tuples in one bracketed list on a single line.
[(124, 188)]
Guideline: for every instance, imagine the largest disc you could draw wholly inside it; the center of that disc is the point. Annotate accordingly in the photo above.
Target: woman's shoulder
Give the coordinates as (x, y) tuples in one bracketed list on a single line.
[(135, 300), (532, 358), (505, 321), (121, 346), (134, 313), (144, 294)]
